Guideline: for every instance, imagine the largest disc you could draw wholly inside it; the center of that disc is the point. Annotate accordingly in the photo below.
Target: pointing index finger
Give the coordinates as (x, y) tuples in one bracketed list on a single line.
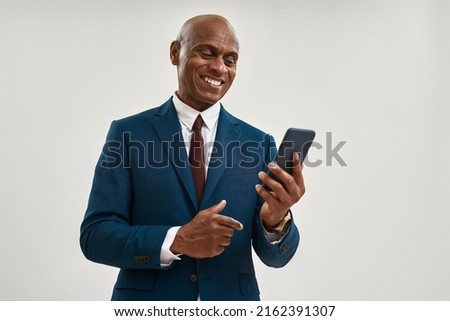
[(230, 222)]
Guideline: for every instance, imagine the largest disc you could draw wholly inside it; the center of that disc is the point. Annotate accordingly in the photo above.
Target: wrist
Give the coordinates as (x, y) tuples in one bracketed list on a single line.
[(282, 226), (178, 241)]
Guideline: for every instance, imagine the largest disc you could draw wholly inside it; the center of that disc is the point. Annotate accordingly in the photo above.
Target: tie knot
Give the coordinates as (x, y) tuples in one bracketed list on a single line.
[(198, 124)]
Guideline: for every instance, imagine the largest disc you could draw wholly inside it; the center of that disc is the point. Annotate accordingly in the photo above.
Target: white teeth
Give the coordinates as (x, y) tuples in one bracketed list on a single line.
[(212, 81)]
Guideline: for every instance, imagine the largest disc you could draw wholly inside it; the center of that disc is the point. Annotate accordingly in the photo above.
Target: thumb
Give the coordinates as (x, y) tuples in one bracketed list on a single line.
[(217, 208)]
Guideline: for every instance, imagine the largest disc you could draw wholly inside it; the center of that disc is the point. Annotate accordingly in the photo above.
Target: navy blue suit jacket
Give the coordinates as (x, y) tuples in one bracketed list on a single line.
[(143, 186)]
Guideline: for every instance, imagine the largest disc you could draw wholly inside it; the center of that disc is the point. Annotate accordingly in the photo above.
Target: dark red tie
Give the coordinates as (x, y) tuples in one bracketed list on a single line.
[(197, 158)]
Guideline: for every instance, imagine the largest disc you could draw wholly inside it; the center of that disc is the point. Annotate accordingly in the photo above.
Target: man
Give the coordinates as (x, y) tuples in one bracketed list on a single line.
[(185, 232)]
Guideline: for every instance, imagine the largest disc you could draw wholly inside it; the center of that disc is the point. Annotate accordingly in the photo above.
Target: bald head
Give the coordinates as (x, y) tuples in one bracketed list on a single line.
[(201, 23)]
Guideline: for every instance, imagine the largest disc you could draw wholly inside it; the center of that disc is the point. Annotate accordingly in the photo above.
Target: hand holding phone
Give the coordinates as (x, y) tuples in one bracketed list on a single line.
[(295, 140)]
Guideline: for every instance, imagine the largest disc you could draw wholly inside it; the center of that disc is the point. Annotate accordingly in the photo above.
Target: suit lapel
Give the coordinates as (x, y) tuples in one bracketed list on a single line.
[(227, 133), (167, 126)]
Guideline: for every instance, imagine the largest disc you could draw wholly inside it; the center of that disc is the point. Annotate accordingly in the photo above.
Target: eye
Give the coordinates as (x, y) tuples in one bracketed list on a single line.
[(206, 54), (230, 61)]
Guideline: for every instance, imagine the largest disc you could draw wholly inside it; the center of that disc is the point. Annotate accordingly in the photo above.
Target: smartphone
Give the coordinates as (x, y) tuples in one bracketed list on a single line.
[(295, 140)]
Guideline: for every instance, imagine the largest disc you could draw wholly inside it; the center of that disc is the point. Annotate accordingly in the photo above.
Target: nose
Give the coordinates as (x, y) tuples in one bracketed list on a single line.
[(218, 65)]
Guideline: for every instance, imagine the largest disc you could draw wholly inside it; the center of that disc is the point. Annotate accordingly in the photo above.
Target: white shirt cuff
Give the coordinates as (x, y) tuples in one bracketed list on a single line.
[(273, 238), (166, 256)]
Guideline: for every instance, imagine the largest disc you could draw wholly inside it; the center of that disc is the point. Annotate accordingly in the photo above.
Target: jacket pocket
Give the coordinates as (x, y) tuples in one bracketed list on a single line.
[(143, 280)]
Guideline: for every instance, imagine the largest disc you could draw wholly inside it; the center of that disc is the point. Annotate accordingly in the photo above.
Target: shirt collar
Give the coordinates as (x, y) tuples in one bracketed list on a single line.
[(187, 114)]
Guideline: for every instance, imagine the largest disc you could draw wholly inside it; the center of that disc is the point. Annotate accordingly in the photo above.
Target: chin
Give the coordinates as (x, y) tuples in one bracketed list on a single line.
[(211, 99)]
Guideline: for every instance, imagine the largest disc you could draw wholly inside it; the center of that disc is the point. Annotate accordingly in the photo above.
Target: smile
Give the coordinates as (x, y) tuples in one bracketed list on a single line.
[(213, 82)]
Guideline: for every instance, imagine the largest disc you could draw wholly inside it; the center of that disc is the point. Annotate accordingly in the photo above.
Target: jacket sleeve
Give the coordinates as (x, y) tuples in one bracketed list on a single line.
[(107, 234), (278, 254)]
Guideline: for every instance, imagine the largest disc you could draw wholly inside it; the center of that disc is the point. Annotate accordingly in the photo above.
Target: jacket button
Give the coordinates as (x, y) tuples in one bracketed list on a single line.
[(285, 248), (193, 278)]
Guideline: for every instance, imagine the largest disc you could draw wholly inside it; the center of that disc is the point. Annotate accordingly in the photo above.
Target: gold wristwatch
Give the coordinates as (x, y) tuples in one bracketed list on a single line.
[(282, 227)]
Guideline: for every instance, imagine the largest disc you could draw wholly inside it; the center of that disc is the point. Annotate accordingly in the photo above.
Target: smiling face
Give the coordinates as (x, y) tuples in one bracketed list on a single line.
[(206, 54)]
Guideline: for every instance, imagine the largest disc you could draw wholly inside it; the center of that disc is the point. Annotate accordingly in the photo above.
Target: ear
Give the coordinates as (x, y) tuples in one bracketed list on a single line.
[(174, 52)]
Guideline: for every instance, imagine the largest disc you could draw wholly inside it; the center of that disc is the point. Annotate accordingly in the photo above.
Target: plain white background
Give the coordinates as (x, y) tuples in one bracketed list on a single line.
[(375, 74)]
